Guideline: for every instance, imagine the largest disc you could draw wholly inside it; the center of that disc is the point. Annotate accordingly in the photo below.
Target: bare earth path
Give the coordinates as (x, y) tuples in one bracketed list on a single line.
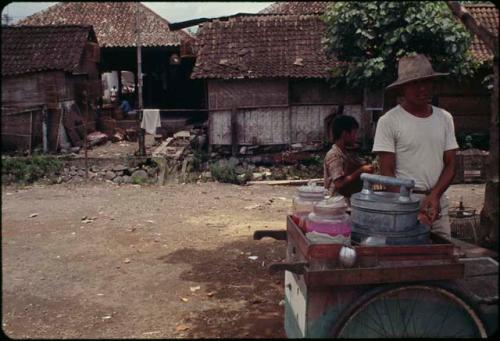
[(148, 262)]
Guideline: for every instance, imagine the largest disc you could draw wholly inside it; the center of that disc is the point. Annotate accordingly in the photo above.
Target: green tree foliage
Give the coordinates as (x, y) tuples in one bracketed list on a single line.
[(371, 36)]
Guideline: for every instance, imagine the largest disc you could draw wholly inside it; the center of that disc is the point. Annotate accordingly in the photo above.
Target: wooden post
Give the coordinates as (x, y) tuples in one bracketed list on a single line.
[(141, 132), (44, 130), (234, 132), (85, 133), (31, 132)]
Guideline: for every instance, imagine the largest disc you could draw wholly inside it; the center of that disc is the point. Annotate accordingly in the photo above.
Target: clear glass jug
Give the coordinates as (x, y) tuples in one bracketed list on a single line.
[(303, 203)]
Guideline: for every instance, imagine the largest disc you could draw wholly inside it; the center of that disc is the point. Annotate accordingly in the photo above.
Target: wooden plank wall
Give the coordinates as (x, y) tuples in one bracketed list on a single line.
[(26, 91), (264, 115), (22, 131), (271, 126), (308, 122), (468, 101), (259, 126)]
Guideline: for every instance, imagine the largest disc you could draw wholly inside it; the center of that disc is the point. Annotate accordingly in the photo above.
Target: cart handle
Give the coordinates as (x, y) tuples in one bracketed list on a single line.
[(405, 184), (276, 234), (296, 267)]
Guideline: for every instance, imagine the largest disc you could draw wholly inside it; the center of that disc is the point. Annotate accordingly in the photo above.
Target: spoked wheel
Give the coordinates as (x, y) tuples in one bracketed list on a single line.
[(420, 310)]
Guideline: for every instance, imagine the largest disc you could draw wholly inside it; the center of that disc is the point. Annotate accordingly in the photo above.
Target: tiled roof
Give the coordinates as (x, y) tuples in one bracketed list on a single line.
[(38, 48), (486, 15), (262, 47), (113, 22), (296, 7)]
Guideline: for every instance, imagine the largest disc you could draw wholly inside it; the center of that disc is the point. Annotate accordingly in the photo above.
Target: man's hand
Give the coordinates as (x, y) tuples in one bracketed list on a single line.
[(429, 209)]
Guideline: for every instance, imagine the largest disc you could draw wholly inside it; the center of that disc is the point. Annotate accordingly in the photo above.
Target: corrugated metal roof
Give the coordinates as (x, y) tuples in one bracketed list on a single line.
[(41, 48), (113, 22), (261, 47)]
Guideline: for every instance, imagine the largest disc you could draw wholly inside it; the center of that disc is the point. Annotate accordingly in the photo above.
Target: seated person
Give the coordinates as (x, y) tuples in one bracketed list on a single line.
[(125, 106), (341, 168), (113, 94)]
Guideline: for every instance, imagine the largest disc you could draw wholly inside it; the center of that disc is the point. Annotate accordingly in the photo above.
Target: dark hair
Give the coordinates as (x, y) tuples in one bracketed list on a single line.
[(343, 123)]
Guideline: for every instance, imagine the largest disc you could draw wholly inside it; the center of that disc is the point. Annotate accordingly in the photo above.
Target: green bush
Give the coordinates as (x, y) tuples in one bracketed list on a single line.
[(199, 157), (314, 160), (30, 169), (224, 171)]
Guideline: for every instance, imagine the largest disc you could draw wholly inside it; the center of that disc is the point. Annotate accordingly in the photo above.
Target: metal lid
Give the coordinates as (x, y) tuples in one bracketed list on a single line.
[(331, 206), (384, 201), (311, 190)]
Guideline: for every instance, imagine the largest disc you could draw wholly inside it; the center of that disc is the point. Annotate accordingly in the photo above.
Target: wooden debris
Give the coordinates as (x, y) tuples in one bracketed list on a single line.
[(286, 182)]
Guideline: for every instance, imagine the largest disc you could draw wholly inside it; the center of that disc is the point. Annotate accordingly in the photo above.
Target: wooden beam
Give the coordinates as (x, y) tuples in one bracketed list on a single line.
[(285, 182)]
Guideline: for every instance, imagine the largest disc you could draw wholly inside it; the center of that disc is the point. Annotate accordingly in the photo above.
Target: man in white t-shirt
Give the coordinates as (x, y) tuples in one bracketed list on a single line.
[(416, 140)]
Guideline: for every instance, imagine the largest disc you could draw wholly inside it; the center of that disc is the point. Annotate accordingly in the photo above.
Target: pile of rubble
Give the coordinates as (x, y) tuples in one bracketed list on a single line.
[(141, 174)]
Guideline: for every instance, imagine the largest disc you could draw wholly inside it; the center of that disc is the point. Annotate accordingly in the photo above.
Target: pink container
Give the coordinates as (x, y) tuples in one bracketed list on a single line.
[(330, 217)]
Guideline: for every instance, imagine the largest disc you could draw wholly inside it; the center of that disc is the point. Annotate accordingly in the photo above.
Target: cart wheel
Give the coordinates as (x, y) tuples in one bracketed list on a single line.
[(413, 310)]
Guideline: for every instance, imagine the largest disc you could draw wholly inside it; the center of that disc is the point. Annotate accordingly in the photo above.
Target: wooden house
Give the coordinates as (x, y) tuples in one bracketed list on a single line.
[(167, 56), (268, 80), (46, 71)]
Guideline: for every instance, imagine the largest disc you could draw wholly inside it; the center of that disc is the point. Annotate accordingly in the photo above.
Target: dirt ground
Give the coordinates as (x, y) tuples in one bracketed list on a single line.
[(124, 261)]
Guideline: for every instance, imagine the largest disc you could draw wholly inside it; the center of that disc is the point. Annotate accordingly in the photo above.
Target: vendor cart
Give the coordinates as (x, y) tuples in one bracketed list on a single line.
[(391, 291)]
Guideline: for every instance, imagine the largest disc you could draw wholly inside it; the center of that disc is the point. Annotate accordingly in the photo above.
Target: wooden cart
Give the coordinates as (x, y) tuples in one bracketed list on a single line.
[(391, 291)]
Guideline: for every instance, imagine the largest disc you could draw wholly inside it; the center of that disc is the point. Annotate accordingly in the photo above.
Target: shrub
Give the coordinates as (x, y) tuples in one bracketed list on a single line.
[(224, 171), (30, 169)]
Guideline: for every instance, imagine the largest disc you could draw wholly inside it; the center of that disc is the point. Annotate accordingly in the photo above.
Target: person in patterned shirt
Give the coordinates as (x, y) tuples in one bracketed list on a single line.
[(341, 168)]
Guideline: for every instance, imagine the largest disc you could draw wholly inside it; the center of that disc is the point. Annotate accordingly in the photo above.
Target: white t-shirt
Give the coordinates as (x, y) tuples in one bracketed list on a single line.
[(419, 143)]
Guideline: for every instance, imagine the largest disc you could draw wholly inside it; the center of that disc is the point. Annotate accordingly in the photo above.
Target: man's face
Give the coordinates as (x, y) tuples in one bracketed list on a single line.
[(418, 92)]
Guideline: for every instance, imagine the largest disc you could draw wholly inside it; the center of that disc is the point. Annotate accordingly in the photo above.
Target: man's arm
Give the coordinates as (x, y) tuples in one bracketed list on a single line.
[(387, 164), (430, 204)]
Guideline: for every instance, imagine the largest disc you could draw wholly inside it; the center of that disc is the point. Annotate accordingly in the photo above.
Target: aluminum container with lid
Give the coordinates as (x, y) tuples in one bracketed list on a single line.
[(303, 203), (385, 215), (330, 217)]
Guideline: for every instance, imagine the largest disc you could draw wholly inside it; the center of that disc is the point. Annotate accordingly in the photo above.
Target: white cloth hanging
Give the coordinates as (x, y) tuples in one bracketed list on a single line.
[(150, 120)]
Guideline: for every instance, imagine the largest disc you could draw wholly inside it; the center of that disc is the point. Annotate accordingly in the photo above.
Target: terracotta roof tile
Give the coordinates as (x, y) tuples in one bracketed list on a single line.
[(296, 7), (113, 22), (486, 15), (262, 46), (38, 48)]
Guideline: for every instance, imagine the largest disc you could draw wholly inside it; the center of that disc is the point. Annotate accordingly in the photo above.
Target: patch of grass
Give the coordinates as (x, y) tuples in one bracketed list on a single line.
[(314, 160), (137, 180), (30, 169)]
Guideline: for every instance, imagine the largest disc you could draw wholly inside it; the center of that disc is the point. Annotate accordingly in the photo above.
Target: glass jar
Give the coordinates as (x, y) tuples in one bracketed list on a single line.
[(303, 203), (330, 217)]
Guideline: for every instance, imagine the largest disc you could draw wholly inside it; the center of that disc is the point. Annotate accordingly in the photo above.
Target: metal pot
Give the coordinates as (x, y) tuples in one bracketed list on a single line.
[(385, 215)]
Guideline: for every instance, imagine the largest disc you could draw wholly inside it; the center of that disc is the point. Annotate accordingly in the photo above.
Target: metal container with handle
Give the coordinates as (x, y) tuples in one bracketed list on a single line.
[(386, 218)]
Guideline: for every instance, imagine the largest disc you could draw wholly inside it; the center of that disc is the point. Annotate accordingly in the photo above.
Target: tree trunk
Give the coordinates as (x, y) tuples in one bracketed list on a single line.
[(490, 211)]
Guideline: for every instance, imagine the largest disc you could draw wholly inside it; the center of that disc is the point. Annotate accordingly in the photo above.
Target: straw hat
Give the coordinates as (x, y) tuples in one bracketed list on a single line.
[(413, 68)]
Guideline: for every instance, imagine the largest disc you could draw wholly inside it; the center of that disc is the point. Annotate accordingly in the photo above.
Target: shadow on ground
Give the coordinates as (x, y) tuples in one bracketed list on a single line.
[(243, 299)]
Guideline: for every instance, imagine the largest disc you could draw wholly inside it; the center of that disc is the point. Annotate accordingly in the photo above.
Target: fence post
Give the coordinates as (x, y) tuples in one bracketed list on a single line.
[(234, 133)]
